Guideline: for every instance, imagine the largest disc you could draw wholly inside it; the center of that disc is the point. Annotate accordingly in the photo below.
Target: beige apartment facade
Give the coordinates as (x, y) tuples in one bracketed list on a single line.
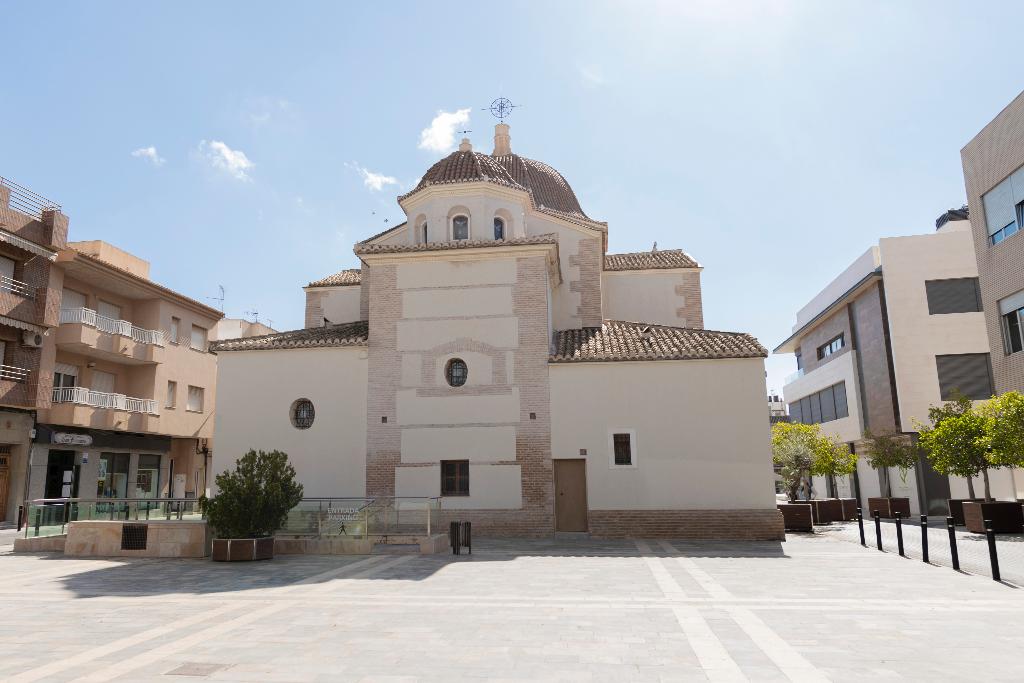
[(899, 331), (993, 164), (473, 357)]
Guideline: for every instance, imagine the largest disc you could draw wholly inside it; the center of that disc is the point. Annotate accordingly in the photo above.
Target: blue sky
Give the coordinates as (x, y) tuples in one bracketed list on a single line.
[(774, 141)]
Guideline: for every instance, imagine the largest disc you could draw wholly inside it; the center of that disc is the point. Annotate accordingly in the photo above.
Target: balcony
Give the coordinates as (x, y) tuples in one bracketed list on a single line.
[(15, 388), (83, 407), (85, 331), (794, 376)]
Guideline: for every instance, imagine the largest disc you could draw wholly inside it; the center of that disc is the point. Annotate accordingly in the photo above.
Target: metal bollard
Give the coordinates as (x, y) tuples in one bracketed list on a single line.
[(951, 527), (899, 534), (453, 537), (924, 538), (860, 524), (992, 557), (878, 529), (467, 535)]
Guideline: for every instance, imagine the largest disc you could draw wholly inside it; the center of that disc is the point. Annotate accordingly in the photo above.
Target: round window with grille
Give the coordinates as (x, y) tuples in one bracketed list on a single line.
[(302, 413), (456, 372)]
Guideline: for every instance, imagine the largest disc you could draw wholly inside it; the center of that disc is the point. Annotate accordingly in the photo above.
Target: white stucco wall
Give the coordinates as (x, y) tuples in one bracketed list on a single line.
[(256, 391), (647, 296), (340, 304), (702, 433)]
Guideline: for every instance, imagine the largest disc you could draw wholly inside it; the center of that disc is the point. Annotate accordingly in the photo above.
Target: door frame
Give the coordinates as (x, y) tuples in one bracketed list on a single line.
[(586, 493)]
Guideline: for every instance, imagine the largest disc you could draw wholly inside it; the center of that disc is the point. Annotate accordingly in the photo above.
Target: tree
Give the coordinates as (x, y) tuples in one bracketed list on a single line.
[(955, 450), (253, 501), (832, 459), (1004, 426), (890, 449), (800, 449)]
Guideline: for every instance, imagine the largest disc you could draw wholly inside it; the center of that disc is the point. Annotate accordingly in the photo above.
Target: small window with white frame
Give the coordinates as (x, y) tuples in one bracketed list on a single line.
[(195, 399), (172, 394), (198, 338), (622, 448)]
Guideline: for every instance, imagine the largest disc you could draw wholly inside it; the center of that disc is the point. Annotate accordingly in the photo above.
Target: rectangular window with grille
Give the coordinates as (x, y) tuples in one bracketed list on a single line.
[(622, 444), (454, 477), (822, 406)]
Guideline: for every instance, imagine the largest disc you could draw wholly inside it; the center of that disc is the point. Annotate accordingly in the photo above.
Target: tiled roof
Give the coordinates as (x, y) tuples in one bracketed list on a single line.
[(363, 248), (549, 188), (352, 276), (650, 260), (625, 341), (346, 334)]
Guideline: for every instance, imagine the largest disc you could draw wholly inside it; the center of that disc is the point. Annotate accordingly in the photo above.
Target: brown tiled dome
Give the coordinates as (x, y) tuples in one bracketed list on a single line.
[(549, 189)]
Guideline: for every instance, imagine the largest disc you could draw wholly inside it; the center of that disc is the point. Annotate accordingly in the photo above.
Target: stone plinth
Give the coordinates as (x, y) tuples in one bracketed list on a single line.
[(170, 538)]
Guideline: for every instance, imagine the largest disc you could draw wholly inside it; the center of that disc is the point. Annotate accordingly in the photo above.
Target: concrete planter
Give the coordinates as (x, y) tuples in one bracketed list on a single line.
[(243, 549), (796, 516), (1007, 516), (956, 508), (888, 507)]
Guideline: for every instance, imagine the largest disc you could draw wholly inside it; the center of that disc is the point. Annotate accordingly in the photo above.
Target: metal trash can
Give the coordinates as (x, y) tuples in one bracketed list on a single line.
[(460, 535)]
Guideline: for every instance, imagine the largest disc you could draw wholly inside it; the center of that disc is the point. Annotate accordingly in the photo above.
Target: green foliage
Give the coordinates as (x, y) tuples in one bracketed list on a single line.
[(254, 500), (801, 450), (832, 459), (1004, 427), (890, 449), (957, 445)]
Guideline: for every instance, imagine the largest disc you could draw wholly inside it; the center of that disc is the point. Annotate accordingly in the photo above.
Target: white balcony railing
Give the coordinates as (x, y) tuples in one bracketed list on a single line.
[(794, 376), (101, 399), (13, 373), (17, 287), (87, 316)]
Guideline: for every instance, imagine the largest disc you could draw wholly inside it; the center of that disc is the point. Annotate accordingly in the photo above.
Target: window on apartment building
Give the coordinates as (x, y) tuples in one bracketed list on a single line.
[(822, 406), (302, 413), (195, 399), (172, 394), (958, 295), (830, 347), (198, 338), (175, 331), (454, 477), (460, 228), (964, 373), (499, 228), (622, 449), (1012, 309), (456, 372), (7, 266), (1004, 207), (799, 361)]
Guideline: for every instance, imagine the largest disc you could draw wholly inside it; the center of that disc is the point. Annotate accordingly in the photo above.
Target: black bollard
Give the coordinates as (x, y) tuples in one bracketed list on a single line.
[(924, 538), (951, 527), (992, 557), (899, 534), (453, 537), (878, 529), (860, 523)]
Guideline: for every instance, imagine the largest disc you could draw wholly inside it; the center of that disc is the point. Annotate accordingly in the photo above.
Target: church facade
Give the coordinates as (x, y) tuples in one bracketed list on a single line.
[(490, 351)]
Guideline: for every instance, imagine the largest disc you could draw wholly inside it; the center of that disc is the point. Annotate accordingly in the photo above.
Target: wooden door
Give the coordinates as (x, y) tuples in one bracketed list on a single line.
[(5, 480), (570, 495)]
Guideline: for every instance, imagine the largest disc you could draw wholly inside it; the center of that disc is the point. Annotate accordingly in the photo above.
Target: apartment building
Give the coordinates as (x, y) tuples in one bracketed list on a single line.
[(129, 412), (993, 164), (32, 231), (900, 330)]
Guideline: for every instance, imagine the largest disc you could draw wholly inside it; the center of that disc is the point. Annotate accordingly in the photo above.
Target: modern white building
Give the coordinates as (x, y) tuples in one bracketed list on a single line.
[(489, 351), (897, 332)]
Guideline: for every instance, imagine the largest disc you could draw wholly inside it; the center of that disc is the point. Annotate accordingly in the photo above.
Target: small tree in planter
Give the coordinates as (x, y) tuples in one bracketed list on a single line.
[(793, 449), (833, 459), (252, 503), (886, 450), (1003, 442)]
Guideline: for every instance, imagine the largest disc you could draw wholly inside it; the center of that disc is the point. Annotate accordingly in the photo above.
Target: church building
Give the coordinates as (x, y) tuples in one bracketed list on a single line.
[(490, 352)]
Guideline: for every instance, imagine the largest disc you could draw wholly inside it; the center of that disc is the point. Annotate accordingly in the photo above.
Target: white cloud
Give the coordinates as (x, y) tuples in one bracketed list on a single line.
[(149, 153), (592, 76), (374, 181), (440, 135), (234, 162)]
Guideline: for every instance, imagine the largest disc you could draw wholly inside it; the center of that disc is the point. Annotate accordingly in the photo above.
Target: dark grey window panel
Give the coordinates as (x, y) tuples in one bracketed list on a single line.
[(960, 295), (842, 409), (805, 410), (828, 405), (815, 408), (794, 411), (967, 373)]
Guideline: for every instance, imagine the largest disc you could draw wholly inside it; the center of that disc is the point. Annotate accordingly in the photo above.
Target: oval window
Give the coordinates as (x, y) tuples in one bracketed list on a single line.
[(302, 413), (456, 372)]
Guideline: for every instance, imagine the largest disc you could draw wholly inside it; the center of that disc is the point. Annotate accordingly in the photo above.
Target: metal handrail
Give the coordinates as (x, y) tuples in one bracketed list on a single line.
[(103, 399), (14, 373), (43, 501), (26, 201), (124, 328), (17, 287)]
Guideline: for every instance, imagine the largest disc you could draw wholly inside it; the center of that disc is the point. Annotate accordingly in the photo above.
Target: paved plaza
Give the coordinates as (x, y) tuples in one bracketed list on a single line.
[(812, 608)]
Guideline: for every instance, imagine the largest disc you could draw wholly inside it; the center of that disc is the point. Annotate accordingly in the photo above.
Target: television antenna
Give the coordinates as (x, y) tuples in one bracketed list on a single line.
[(255, 315), (501, 108), (219, 299)]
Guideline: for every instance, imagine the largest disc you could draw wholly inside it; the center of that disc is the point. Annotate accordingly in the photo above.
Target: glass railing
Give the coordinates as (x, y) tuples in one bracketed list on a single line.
[(362, 517), (793, 376), (50, 516)]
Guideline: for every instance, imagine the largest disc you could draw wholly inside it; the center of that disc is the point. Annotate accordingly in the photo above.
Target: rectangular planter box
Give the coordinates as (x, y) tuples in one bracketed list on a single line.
[(956, 508), (849, 508), (888, 507), (243, 549), (796, 516), (826, 510), (1007, 517)]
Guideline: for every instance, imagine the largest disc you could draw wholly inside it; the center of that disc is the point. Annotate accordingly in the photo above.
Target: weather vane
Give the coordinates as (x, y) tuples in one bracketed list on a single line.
[(501, 108)]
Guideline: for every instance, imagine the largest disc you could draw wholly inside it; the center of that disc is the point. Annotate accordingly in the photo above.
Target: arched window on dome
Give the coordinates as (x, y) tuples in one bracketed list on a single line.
[(499, 228), (423, 232), (460, 227)]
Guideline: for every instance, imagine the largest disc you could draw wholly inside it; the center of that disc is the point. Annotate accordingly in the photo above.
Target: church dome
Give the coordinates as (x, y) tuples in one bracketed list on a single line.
[(549, 189)]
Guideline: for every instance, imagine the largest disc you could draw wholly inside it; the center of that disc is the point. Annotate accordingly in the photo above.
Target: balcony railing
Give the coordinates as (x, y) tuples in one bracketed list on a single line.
[(26, 201), (13, 373), (87, 316), (17, 287), (793, 376), (101, 399)]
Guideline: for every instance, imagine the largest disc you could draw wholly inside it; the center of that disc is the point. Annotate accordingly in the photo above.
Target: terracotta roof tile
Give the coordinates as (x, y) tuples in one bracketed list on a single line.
[(630, 341), (346, 334), (364, 248), (650, 260), (351, 276)]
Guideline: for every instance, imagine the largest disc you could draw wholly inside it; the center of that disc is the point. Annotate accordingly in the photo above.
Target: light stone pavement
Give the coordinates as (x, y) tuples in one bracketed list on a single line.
[(811, 609)]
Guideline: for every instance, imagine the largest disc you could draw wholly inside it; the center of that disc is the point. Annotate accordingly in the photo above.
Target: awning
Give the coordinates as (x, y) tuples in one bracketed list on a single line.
[(21, 325), (25, 244)]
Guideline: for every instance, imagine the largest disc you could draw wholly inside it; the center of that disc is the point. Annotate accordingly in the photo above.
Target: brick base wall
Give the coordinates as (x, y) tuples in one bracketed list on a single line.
[(744, 525)]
